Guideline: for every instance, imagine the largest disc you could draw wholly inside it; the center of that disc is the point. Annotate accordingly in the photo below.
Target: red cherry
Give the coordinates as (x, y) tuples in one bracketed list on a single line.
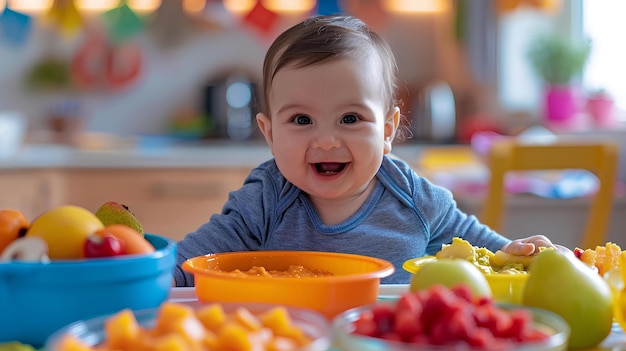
[(103, 246)]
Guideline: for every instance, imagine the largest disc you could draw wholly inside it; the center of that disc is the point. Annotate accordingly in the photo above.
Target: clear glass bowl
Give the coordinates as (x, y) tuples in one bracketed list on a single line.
[(345, 340), (92, 333)]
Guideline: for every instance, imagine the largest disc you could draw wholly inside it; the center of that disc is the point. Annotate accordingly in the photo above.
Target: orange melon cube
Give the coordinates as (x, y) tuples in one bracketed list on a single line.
[(171, 342), (145, 340), (278, 320), (121, 330), (589, 257), (233, 337), (281, 344), (210, 341), (70, 343), (607, 257), (170, 314), (211, 316), (246, 319), (174, 318), (261, 337)]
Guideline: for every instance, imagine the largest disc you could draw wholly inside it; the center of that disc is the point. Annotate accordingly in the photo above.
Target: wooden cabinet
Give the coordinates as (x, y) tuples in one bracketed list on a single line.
[(31, 191), (168, 202)]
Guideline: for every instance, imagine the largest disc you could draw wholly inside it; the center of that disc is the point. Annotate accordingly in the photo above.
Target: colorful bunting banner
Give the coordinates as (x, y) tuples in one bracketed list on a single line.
[(171, 25), (65, 15), (122, 22), (328, 7), (261, 18), (15, 27)]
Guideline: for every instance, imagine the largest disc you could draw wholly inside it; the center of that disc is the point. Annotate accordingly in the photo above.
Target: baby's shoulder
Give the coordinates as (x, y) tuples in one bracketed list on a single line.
[(398, 175)]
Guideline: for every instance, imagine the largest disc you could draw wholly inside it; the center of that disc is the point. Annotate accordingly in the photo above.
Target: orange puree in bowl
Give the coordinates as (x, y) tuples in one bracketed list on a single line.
[(294, 271)]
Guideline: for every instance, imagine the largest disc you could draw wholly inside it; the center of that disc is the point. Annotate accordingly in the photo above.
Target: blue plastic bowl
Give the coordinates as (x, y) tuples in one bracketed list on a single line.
[(36, 299)]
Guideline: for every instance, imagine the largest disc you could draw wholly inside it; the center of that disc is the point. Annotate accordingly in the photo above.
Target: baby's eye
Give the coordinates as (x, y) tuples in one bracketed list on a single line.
[(302, 119), (349, 119)]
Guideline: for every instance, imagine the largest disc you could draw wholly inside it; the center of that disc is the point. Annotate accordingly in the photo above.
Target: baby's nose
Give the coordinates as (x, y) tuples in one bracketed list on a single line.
[(325, 140)]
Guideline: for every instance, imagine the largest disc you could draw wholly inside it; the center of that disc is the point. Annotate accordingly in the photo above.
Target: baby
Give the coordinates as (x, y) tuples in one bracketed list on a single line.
[(331, 115)]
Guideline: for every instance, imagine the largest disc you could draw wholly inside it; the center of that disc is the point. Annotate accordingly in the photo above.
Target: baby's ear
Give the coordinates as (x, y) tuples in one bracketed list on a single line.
[(265, 125), (392, 120)]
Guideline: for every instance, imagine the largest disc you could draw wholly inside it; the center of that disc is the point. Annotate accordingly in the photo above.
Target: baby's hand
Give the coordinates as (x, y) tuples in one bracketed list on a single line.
[(530, 246)]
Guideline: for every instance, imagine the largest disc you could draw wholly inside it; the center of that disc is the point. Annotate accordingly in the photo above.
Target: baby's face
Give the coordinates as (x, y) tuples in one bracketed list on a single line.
[(329, 126)]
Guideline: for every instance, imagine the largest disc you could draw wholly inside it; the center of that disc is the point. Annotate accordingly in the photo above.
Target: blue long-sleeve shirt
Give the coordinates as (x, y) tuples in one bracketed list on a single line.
[(404, 217)]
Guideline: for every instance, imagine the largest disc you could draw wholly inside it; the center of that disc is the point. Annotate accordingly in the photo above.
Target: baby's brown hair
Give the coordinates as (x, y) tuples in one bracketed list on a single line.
[(321, 39)]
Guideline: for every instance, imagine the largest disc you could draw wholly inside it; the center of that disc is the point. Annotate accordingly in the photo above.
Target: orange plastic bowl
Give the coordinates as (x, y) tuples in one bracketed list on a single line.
[(354, 282)]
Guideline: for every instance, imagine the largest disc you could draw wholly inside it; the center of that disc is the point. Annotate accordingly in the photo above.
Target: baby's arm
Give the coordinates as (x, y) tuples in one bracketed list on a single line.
[(530, 245)]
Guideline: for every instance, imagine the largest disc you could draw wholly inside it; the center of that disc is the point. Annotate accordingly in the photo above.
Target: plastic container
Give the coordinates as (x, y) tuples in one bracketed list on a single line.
[(355, 279), (92, 333), (36, 299), (346, 341), (13, 128), (505, 287)]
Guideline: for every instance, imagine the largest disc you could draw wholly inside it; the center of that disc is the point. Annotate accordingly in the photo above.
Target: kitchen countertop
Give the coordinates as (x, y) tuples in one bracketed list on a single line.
[(213, 154)]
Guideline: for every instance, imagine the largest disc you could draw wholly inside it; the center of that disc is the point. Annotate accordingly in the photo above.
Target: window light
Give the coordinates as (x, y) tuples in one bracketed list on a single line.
[(28, 6), (239, 7), (289, 6), (416, 6)]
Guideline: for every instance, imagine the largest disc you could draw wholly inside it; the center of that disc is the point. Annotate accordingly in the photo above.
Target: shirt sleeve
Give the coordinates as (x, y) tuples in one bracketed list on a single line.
[(444, 220)]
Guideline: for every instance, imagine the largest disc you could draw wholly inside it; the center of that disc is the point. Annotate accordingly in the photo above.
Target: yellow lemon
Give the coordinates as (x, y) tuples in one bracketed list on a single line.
[(65, 230)]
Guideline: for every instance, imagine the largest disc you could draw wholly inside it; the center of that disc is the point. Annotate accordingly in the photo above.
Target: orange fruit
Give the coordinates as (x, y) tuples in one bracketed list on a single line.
[(13, 224), (132, 241)]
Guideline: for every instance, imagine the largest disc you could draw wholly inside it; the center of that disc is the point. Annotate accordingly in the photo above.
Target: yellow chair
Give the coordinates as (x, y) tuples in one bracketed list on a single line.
[(599, 158)]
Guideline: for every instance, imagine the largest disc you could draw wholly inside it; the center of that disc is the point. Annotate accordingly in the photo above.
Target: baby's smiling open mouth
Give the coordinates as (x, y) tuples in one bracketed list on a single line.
[(329, 168)]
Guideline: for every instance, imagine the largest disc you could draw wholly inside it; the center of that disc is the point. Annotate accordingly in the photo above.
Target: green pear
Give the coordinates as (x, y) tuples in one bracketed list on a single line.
[(561, 283), (116, 213)]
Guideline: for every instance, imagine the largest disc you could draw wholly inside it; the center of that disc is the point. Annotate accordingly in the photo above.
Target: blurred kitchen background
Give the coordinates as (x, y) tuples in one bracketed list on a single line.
[(168, 67), (151, 102)]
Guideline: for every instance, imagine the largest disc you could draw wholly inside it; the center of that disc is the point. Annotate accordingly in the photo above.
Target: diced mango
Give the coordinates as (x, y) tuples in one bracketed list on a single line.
[(70, 343), (170, 316), (281, 344), (171, 342), (210, 341), (277, 319), (608, 258), (263, 336), (589, 257), (244, 317), (603, 258), (179, 328), (234, 337), (211, 316), (121, 330), (144, 341)]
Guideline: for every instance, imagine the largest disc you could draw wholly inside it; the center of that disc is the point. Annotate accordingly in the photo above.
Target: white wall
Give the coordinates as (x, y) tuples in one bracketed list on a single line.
[(423, 44)]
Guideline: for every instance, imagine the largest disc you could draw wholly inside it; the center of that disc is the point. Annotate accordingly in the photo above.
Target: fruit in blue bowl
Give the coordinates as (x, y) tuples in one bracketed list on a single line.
[(37, 298)]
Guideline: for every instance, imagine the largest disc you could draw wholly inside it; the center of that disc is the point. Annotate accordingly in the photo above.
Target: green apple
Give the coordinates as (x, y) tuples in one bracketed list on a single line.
[(450, 272), (561, 283)]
